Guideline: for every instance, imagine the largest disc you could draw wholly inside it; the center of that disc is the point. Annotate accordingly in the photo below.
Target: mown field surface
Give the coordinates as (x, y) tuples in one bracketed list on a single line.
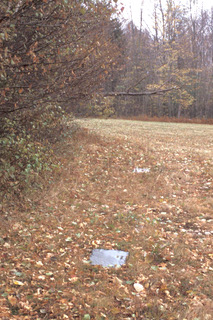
[(163, 218)]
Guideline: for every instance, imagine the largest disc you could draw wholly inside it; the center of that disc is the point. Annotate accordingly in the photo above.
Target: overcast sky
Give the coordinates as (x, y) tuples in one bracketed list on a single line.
[(133, 7)]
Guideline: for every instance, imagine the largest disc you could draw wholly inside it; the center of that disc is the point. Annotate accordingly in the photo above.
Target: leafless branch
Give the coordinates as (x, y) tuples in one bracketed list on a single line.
[(145, 93)]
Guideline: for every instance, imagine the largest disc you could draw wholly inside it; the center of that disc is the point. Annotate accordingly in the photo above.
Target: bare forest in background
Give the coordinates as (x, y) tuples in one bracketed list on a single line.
[(168, 70)]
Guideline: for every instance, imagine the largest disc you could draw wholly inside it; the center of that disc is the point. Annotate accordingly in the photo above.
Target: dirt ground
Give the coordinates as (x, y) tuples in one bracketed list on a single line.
[(103, 198)]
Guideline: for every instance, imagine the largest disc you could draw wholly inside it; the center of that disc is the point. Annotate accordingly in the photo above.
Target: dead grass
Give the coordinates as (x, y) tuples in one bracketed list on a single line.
[(163, 218), (170, 119)]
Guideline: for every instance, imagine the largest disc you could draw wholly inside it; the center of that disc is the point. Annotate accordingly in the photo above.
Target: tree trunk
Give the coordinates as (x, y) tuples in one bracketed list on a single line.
[(179, 111)]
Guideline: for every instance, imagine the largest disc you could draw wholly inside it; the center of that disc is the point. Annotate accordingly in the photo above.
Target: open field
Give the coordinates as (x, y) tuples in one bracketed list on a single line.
[(163, 218)]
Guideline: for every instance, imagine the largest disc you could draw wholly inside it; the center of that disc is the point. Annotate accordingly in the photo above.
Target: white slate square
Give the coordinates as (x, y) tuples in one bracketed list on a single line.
[(108, 258)]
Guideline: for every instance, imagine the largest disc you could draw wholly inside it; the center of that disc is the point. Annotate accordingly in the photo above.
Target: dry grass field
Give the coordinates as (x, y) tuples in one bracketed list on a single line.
[(162, 217)]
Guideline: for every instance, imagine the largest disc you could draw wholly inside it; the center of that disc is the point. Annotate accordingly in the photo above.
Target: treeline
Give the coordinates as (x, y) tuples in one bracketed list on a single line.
[(169, 68), (53, 56)]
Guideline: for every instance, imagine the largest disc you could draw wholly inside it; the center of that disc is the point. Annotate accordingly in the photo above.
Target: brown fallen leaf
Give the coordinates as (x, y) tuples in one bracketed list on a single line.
[(12, 300), (115, 310)]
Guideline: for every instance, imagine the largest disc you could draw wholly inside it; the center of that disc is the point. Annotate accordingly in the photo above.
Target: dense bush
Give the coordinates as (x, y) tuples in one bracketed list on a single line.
[(26, 154)]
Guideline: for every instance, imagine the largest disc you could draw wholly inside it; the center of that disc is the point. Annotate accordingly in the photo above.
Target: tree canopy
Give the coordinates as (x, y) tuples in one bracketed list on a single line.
[(53, 51)]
